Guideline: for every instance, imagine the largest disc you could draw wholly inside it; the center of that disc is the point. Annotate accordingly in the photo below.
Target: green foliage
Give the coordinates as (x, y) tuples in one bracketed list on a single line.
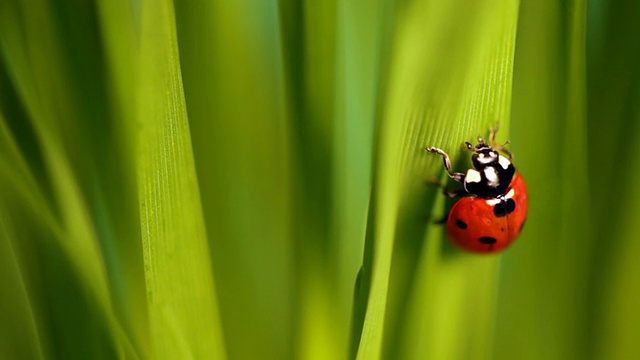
[(247, 179)]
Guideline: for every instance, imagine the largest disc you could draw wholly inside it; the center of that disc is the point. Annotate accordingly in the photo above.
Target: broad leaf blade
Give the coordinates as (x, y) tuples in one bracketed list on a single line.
[(180, 287), (450, 72)]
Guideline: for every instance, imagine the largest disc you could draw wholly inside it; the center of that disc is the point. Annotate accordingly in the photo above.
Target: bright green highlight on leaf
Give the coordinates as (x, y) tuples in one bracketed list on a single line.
[(199, 179), (467, 85), (174, 237)]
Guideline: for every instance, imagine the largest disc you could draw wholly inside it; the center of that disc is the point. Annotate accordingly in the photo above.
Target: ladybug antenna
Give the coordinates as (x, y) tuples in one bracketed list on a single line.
[(469, 145)]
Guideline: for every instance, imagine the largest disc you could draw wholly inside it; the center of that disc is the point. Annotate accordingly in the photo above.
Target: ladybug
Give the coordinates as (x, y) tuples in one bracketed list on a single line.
[(493, 210)]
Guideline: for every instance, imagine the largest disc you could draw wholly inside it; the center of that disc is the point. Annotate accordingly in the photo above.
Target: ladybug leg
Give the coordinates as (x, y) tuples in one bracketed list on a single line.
[(499, 147), (449, 193), (438, 183), (455, 193), (492, 133), (503, 149), (459, 177), (442, 220)]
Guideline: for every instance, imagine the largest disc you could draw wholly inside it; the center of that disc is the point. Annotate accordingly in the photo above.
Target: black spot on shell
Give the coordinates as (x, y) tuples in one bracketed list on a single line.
[(487, 240), (500, 210), (461, 224), (504, 208)]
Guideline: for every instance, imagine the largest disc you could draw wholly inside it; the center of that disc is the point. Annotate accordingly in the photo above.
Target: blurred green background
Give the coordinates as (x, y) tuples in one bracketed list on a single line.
[(247, 179)]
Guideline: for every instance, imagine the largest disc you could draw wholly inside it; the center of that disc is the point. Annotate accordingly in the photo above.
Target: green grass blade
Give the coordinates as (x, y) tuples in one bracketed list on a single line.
[(333, 54), (242, 150), (361, 42), (555, 248), (119, 30), (614, 131), (436, 100), (183, 314), (47, 117), (227, 216), (20, 326)]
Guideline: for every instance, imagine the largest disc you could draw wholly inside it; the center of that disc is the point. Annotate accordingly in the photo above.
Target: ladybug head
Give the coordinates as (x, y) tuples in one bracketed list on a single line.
[(483, 154)]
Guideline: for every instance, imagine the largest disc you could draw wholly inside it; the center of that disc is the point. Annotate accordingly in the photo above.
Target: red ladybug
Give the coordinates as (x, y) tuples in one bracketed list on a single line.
[(492, 214)]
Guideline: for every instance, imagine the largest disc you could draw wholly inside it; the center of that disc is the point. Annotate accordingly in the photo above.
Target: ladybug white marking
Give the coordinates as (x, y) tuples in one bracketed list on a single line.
[(510, 194), (497, 201), (491, 175), (483, 159), (504, 162), (472, 176)]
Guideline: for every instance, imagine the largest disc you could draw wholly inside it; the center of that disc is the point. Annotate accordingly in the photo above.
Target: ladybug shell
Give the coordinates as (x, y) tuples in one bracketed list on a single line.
[(473, 225)]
